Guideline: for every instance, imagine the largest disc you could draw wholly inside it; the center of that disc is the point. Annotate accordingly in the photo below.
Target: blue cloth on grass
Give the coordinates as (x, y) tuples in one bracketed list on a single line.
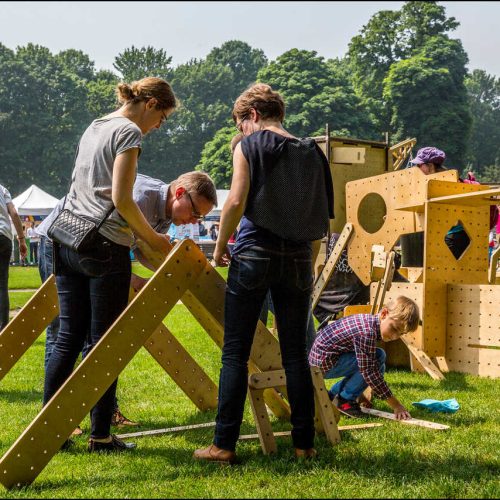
[(433, 405)]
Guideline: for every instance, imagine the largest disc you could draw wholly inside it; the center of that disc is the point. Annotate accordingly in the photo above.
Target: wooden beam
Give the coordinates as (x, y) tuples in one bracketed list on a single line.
[(411, 421)]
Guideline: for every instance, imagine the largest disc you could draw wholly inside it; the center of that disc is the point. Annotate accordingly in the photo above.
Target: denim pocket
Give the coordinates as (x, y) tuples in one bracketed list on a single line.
[(252, 270), (97, 262), (303, 274)]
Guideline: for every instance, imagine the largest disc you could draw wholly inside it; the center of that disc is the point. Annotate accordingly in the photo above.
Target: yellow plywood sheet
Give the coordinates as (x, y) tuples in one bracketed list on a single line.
[(395, 190), (348, 155), (473, 329), (20, 333), (441, 267), (44, 436)]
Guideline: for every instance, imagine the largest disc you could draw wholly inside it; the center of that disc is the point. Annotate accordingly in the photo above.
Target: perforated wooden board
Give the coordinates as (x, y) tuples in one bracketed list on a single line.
[(20, 333), (44, 436), (396, 190), (441, 267), (473, 329)]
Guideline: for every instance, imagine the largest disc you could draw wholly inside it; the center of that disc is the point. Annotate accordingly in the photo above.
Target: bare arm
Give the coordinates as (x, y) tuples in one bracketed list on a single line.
[(142, 259), (123, 182), (16, 220), (400, 412), (235, 204)]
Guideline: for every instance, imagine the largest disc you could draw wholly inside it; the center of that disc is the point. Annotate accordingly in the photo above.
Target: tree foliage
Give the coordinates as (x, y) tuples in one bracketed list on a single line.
[(134, 64)]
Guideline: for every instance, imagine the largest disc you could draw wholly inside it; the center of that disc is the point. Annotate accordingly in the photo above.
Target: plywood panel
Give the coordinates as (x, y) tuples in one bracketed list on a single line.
[(473, 329), (396, 189)]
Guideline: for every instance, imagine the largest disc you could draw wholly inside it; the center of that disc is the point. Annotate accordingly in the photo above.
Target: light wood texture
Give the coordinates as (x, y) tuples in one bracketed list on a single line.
[(395, 190), (349, 155), (326, 414), (473, 320), (329, 268), (184, 370), (31, 452), (478, 198), (262, 422), (168, 430), (400, 151), (411, 421), (20, 333)]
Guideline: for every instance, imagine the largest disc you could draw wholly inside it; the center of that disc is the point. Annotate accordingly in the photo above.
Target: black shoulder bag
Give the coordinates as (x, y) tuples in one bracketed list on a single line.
[(74, 231)]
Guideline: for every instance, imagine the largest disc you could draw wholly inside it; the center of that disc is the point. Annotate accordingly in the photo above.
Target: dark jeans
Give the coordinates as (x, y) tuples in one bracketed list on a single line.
[(288, 274), (5, 253), (34, 252), (93, 291)]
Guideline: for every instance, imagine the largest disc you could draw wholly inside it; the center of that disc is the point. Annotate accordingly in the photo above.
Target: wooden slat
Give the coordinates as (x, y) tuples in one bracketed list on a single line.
[(329, 268), (325, 410), (424, 360), (265, 380), (32, 451), (261, 418), (411, 421), (22, 331), (182, 368), (168, 430)]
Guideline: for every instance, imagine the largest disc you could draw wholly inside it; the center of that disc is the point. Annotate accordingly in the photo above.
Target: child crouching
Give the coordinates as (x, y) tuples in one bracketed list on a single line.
[(348, 348)]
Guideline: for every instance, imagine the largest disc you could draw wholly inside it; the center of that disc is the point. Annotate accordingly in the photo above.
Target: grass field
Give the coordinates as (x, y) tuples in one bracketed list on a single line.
[(393, 461), (390, 461)]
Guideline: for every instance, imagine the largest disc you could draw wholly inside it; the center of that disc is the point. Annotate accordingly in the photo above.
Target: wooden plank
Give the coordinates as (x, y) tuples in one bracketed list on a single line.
[(182, 368), (329, 268), (477, 198), (424, 360), (168, 430), (349, 155), (342, 428), (32, 451), (264, 380), (411, 421), (22, 331), (262, 422)]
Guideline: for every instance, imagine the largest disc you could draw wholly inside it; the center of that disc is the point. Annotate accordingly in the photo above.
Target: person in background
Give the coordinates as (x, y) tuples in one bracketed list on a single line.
[(34, 242), (8, 213)]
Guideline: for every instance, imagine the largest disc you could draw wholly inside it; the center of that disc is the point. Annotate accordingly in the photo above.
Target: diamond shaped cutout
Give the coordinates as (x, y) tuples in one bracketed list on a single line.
[(457, 240)]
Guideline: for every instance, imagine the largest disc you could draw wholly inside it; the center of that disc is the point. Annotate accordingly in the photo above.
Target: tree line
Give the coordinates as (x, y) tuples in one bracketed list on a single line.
[(402, 74)]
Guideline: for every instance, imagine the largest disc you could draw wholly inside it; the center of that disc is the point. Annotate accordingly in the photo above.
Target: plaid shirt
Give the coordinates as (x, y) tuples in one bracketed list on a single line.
[(358, 333)]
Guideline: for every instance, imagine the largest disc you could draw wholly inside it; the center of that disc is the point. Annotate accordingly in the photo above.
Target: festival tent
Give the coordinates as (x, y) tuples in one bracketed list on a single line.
[(35, 202)]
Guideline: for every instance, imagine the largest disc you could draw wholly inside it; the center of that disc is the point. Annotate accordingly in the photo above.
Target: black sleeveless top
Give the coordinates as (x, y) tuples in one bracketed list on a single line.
[(291, 189)]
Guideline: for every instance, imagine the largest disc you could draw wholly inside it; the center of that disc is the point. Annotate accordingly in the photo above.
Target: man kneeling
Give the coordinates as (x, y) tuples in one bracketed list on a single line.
[(347, 348)]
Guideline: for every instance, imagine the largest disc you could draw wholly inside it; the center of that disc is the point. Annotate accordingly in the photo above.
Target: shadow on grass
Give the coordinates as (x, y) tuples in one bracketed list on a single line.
[(17, 396)]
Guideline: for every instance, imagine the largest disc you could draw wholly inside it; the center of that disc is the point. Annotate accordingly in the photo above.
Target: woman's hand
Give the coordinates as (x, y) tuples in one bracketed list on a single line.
[(162, 243), (221, 257), (136, 282)]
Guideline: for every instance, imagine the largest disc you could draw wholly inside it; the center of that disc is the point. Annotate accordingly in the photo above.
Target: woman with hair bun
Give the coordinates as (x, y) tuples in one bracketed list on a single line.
[(93, 285), (282, 191)]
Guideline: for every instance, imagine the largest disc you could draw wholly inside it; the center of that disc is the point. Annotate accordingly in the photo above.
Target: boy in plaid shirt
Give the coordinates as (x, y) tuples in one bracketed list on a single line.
[(348, 348)]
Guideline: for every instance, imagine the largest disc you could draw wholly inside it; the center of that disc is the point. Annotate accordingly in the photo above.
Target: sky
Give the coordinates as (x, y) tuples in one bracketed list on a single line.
[(187, 30)]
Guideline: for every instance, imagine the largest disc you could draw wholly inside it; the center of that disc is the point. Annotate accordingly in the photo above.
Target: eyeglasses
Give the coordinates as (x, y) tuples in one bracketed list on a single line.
[(194, 212), (238, 124), (163, 118)]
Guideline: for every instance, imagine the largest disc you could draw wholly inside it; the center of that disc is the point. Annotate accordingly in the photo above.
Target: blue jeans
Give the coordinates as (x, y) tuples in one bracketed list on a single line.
[(288, 275), (353, 383), (93, 291), (5, 252)]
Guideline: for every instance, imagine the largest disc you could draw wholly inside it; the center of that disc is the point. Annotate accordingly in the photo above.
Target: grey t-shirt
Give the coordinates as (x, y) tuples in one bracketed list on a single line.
[(5, 227), (151, 196), (90, 192)]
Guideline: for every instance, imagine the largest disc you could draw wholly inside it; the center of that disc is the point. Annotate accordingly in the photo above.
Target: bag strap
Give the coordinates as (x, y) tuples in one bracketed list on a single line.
[(109, 212)]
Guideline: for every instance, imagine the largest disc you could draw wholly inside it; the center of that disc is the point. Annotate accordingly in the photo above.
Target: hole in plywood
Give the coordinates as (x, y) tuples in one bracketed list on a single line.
[(371, 212), (457, 240)]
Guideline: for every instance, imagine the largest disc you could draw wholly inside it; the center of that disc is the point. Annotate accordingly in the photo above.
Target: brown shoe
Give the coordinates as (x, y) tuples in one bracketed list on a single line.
[(214, 454), (308, 453), (119, 420)]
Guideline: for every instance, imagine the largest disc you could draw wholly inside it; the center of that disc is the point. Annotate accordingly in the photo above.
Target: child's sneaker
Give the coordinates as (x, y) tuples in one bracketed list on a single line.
[(348, 408)]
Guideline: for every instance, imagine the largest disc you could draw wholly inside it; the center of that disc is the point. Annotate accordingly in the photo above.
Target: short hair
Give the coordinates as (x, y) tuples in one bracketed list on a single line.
[(406, 311), (197, 182), (261, 97), (145, 89)]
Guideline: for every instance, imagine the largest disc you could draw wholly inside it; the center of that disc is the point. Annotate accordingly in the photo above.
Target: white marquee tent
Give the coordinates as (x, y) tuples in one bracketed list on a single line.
[(34, 201)]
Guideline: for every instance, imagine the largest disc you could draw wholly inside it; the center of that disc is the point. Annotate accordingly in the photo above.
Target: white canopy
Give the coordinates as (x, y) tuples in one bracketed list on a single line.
[(34, 201), (222, 195)]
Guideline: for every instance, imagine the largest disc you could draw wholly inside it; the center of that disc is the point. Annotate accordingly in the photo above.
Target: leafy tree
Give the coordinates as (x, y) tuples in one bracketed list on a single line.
[(76, 62), (428, 99), (101, 94), (134, 63), (484, 101)]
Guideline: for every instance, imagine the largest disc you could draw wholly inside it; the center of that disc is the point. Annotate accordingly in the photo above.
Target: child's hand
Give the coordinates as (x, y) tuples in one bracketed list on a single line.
[(401, 413)]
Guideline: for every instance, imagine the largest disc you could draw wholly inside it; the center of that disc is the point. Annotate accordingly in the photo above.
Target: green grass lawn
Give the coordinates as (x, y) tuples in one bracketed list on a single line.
[(24, 277), (389, 461)]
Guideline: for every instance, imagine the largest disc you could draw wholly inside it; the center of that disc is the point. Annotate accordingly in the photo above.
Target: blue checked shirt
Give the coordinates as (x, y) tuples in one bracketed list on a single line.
[(356, 333)]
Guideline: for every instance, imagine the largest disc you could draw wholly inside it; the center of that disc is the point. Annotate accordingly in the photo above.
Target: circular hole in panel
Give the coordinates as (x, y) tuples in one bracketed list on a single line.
[(371, 212)]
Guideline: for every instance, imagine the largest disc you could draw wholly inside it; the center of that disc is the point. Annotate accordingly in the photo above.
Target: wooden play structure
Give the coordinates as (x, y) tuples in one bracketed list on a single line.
[(376, 202)]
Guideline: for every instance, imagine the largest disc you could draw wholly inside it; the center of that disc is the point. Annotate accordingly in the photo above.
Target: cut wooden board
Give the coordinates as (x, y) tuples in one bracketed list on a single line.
[(411, 421), (168, 430)]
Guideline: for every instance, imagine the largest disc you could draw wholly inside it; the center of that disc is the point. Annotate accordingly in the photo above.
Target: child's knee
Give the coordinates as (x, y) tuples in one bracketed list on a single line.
[(381, 356)]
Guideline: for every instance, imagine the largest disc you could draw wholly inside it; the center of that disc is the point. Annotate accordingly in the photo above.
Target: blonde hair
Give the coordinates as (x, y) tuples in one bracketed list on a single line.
[(406, 311), (262, 98), (145, 89), (199, 183)]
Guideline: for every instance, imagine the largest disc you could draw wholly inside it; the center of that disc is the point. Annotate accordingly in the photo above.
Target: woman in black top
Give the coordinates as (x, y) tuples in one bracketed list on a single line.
[(282, 191)]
